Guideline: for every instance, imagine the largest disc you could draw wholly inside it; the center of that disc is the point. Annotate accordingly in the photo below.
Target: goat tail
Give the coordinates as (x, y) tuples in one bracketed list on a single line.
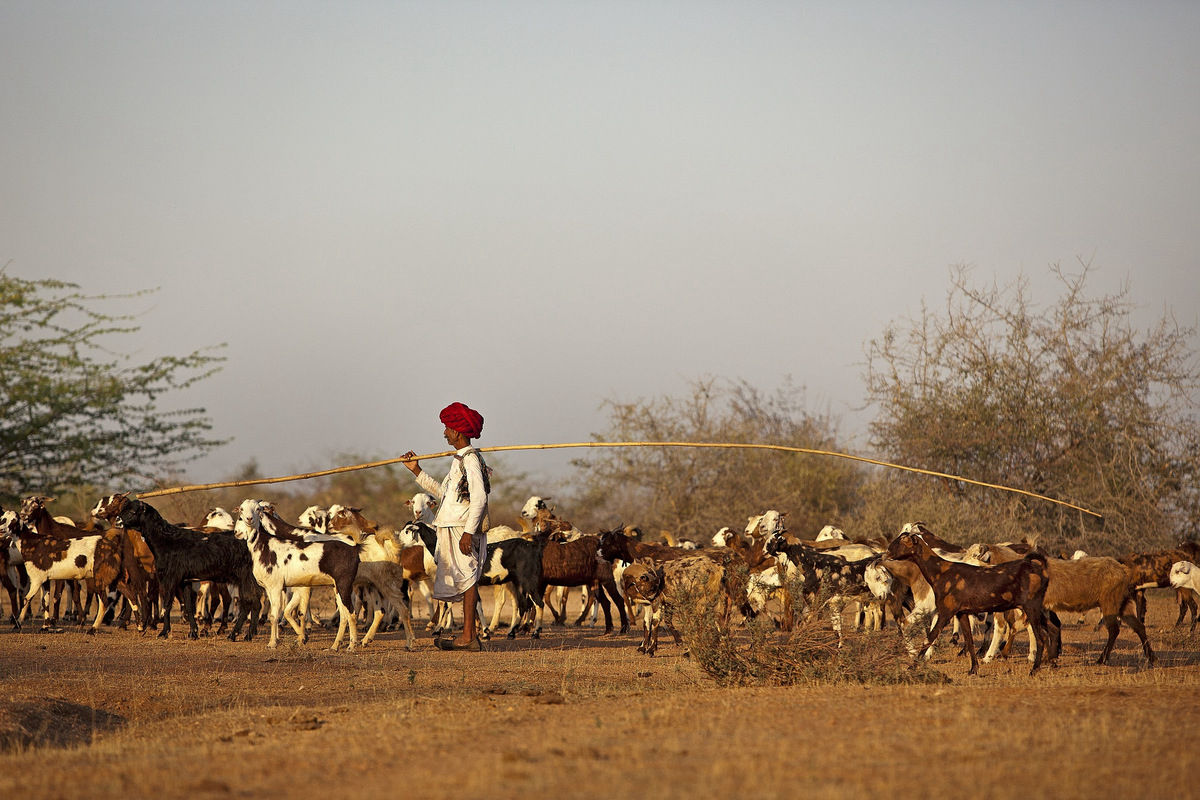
[(1038, 557)]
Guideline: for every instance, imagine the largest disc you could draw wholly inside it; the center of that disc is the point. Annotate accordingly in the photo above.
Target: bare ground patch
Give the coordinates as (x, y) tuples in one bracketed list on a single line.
[(581, 714)]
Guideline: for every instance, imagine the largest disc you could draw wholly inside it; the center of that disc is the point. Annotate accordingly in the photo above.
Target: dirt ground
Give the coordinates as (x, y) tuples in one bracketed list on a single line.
[(579, 714)]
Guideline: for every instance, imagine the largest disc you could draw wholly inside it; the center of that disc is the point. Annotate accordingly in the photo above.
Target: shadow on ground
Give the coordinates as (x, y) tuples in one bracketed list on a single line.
[(50, 722)]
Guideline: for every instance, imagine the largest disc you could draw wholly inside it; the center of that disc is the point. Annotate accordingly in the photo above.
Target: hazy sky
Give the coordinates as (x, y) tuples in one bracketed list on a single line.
[(533, 207)]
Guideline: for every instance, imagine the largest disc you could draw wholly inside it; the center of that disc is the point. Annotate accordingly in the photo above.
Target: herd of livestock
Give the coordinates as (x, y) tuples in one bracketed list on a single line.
[(133, 565)]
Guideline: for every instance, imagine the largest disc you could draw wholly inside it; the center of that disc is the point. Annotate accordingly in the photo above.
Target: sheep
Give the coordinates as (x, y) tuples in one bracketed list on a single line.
[(181, 556), (961, 590), (282, 559)]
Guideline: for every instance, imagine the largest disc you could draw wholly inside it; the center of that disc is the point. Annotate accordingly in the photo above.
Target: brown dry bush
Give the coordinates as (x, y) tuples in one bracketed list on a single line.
[(692, 493), (1070, 400), (761, 655), (889, 499)]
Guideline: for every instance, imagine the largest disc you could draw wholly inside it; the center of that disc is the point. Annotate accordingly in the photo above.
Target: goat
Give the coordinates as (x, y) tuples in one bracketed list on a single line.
[(1076, 585), (424, 509), (821, 569), (313, 522), (1150, 570), (751, 544), (515, 563), (211, 595), (831, 532), (1185, 577), (60, 552), (618, 546), (577, 563), (378, 565), (961, 590), (419, 540), (8, 575), (182, 556), (281, 559), (508, 567), (539, 515), (667, 587)]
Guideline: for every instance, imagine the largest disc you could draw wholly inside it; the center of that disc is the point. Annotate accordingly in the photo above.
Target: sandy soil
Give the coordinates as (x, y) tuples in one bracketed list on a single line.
[(579, 714)]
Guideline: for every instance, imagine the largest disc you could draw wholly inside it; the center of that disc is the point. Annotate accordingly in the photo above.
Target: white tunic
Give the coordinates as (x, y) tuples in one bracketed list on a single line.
[(456, 572)]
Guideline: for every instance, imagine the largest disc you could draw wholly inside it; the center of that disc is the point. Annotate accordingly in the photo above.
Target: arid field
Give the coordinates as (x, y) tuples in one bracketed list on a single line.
[(579, 714)]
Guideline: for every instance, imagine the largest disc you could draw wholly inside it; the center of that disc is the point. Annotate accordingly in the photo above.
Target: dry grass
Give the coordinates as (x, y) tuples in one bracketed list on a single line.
[(581, 714)]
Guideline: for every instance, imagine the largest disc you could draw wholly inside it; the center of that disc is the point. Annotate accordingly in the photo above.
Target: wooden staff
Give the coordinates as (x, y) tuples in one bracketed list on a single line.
[(503, 448)]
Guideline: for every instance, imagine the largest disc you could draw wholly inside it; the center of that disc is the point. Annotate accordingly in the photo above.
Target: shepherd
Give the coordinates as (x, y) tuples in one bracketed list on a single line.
[(462, 511)]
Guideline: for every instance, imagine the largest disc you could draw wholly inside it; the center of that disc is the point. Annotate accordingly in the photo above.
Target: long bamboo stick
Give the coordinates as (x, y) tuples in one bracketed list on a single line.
[(504, 448)]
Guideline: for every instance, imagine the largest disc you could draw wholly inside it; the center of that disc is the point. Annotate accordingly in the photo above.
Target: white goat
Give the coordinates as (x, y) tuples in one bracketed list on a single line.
[(282, 559)]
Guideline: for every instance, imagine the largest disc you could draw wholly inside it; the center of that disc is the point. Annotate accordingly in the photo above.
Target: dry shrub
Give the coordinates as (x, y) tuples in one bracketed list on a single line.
[(889, 499), (809, 654)]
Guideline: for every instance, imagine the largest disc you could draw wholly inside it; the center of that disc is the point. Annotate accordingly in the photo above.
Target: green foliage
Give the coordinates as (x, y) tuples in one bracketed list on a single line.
[(692, 493), (73, 413), (1072, 401)]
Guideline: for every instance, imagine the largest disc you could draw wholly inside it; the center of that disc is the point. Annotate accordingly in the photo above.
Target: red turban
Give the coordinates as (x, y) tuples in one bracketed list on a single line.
[(465, 420)]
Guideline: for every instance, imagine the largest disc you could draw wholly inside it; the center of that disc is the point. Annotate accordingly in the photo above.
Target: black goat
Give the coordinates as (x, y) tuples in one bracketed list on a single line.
[(181, 556)]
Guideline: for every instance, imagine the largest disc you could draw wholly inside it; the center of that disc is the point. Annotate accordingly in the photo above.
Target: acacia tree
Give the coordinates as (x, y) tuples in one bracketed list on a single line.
[(71, 411), (1072, 401), (694, 492)]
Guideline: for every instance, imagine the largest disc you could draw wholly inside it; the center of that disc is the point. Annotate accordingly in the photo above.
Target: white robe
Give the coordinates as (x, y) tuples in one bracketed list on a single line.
[(457, 572)]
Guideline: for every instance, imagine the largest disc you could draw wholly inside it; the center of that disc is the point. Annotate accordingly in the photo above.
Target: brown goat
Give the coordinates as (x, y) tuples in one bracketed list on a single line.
[(1076, 585), (961, 590), (667, 586), (577, 563), (617, 545), (1150, 570)]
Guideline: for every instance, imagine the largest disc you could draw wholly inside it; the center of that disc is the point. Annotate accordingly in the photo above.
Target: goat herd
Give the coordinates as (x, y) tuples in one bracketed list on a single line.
[(127, 555)]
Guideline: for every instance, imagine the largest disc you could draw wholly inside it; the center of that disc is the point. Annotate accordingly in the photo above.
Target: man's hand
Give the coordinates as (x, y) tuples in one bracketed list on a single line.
[(466, 544), (409, 460)]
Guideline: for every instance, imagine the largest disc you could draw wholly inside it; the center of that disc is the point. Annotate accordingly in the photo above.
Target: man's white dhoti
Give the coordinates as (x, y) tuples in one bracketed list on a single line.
[(456, 572)]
